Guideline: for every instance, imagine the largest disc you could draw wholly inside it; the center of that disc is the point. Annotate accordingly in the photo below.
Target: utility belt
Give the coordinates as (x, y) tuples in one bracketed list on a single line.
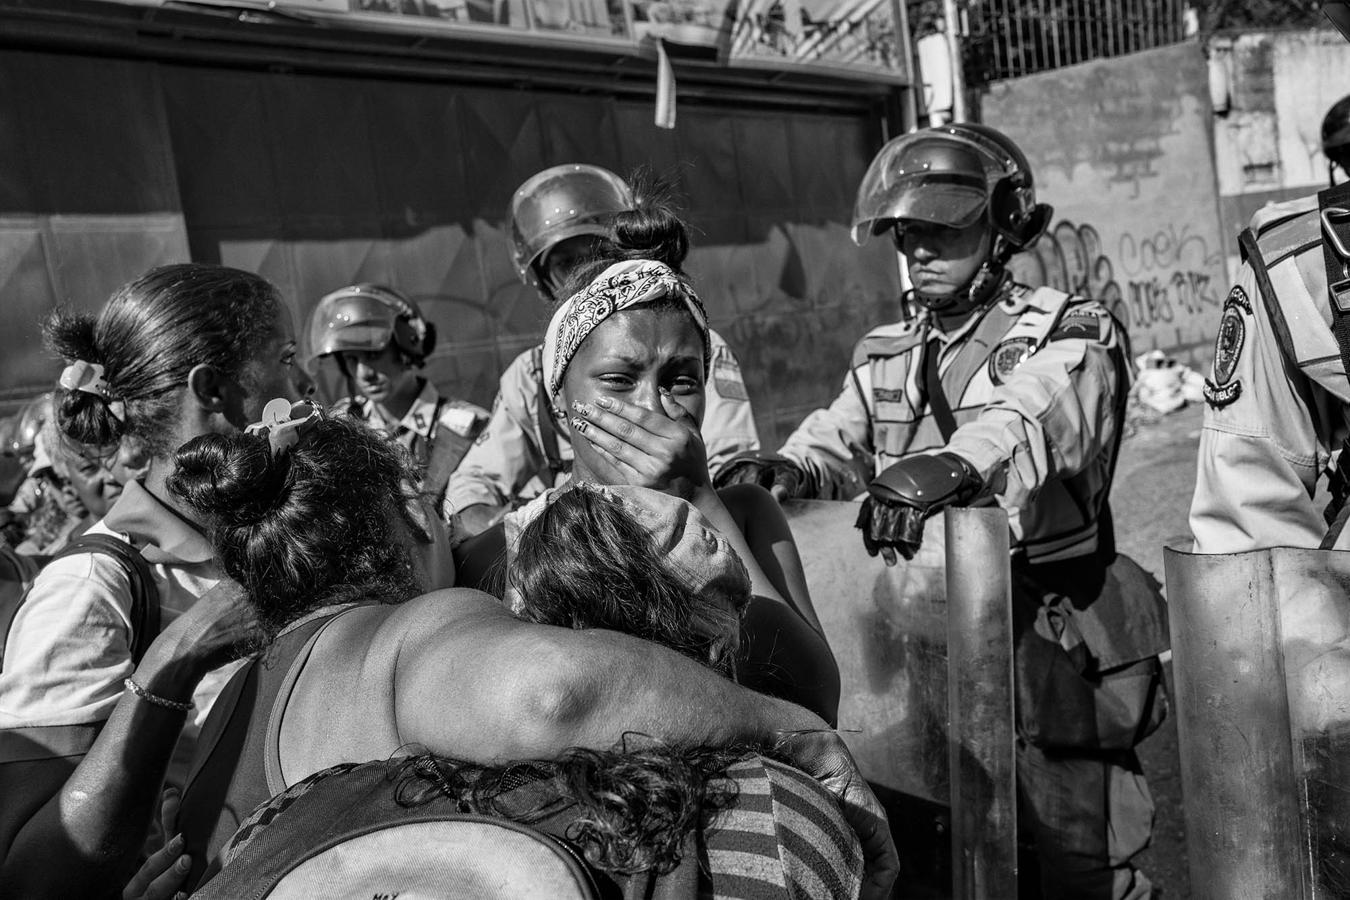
[(1087, 633)]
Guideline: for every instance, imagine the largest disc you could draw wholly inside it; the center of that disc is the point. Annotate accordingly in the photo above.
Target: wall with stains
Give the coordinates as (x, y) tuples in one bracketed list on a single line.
[(1123, 150), (1272, 90)]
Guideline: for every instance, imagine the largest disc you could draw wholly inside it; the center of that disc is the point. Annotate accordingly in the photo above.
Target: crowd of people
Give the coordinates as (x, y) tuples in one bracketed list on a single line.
[(582, 611)]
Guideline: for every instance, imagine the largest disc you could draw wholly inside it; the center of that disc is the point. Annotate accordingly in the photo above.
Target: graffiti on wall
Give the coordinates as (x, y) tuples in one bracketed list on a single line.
[(1160, 278)]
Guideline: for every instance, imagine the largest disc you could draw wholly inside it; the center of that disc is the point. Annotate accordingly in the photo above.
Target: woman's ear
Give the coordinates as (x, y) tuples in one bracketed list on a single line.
[(207, 388)]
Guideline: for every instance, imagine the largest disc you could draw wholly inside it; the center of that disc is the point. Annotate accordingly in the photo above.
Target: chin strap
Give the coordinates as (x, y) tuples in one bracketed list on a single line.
[(984, 287)]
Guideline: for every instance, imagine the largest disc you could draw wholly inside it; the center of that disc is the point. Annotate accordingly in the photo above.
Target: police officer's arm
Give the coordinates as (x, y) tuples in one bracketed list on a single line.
[(1054, 415), (834, 445), (505, 456), (728, 419), (96, 823), (1259, 454)]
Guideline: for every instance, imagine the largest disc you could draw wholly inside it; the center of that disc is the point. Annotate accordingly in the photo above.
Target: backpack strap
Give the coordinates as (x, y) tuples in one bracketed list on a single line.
[(145, 600), (548, 428)]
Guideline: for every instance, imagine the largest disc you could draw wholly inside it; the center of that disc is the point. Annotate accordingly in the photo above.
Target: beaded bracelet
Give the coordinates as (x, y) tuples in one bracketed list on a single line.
[(157, 700)]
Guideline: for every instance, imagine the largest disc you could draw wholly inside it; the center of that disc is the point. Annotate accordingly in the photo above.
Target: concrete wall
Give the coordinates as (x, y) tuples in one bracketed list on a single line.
[(1272, 91), (1122, 149)]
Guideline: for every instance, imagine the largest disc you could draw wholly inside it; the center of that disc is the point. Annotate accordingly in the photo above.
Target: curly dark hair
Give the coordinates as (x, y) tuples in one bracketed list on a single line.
[(584, 562), (632, 806), (313, 525), (148, 337)]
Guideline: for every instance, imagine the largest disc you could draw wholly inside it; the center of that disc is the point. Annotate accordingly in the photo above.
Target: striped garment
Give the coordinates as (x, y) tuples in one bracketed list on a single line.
[(785, 837)]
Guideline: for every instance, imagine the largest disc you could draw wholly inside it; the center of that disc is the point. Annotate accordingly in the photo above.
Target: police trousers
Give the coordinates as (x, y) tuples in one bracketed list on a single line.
[(1082, 796), (1088, 816)]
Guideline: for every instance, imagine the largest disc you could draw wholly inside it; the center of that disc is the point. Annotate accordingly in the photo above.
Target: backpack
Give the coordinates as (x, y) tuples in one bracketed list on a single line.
[(363, 830), (17, 573), (35, 761), (341, 833)]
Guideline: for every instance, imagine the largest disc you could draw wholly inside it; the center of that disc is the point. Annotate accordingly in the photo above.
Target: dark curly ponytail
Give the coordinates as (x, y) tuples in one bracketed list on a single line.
[(313, 525)]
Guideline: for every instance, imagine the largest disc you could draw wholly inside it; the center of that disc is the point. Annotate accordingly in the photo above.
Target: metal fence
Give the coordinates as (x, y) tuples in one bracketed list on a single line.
[(1008, 38)]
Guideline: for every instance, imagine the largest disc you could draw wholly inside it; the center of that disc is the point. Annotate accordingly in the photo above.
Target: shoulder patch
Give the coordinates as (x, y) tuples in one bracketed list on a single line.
[(727, 380), (1084, 324), (1007, 356), (1222, 388)]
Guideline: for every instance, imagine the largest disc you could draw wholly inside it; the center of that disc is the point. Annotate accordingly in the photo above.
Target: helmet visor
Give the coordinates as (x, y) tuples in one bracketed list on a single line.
[(921, 177), (943, 199), (347, 321)]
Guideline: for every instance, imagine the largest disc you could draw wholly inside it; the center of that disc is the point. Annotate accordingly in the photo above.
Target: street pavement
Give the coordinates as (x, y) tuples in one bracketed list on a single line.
[(1155, 478)]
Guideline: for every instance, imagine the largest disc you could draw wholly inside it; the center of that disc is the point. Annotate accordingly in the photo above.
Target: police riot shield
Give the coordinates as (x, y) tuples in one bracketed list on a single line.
[(1261, 659), (925, 660)]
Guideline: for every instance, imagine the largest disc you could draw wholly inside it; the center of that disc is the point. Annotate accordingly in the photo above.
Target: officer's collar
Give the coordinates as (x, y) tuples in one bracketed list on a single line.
[(420, 418), (1008, 299)]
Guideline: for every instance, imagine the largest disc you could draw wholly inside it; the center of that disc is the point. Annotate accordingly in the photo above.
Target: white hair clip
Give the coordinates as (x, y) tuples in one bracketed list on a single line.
[(284, 423)]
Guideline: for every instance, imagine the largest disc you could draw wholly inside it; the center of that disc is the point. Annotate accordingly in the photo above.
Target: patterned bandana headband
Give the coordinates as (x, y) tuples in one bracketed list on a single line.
[(619, 287)]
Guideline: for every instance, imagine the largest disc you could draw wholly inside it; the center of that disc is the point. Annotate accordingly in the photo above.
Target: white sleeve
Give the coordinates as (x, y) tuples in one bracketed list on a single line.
[(70, 645)]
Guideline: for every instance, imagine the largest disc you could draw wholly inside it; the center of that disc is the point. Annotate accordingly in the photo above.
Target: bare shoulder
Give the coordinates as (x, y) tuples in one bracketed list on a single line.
[(750, 503), (448, 607)]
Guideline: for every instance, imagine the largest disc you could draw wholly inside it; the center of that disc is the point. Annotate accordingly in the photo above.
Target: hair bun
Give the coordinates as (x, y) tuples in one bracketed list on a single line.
[(651, 230), (232, 478)]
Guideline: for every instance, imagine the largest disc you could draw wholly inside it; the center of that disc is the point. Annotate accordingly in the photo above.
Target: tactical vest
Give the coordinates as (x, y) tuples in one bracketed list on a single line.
[(1009, 332)]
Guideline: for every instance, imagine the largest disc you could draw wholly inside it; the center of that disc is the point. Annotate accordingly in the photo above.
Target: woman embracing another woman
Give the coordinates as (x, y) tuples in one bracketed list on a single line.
[(625, 360)]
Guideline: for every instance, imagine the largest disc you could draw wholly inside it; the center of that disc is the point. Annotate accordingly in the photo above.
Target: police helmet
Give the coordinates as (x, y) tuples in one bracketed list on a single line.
[(27, 429), (560, 203), (1336, 132), (952, 175), (367, 318)]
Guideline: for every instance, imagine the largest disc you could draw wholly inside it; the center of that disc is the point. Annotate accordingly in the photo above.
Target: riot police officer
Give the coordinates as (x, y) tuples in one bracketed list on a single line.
[(992, 392), (380, 341), (560, 218)]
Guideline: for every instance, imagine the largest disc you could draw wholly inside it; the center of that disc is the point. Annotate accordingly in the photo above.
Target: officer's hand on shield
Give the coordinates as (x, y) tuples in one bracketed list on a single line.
[(778, 475), (902, 497)]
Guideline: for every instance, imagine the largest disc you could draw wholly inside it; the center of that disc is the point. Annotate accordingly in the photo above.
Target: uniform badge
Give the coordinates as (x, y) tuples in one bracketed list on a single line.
[(1007, 356), (1222, 388)]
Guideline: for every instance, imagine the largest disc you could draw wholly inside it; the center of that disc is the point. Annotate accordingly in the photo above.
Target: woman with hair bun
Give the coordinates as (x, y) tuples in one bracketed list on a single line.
[(304, 513), (86, 734), (648, 818), (626, 358)]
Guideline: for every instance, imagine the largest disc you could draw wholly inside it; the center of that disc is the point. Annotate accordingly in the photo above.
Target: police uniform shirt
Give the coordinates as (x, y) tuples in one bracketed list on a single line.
[(508, 461), (1035, 383), (417, 429), (1275, 397)]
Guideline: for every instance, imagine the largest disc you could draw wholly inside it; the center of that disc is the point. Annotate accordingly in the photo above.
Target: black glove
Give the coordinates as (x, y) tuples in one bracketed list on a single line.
[(902, 497), (766, 471)]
